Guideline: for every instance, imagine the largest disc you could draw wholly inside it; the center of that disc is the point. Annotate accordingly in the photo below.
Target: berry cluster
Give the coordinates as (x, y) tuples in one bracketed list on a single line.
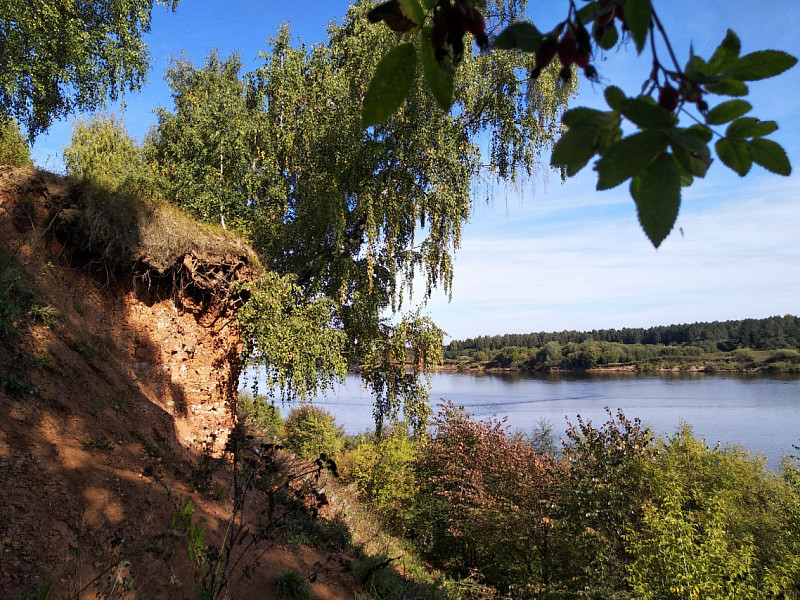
[(450, 23), (573, 47), (670, 97)]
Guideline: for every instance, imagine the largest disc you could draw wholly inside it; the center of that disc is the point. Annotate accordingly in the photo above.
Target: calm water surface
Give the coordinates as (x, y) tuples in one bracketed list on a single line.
[(762, 414)]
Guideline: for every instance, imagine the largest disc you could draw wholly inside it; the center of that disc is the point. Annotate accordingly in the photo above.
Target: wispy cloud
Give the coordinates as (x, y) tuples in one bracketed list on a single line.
[(737, 256)]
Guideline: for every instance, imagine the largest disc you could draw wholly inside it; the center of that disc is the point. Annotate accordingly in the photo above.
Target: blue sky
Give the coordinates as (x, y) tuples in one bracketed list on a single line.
[(547, 255)]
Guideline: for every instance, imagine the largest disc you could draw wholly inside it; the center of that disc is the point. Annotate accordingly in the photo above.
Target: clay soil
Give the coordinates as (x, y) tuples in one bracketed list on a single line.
[(111, 390)]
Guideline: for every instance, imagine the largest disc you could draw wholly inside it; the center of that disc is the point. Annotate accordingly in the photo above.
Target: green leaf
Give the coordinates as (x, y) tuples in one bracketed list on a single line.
[(726, 52), (657, 194), (582, 115), (734, 154), (615, 98), (521, 35), (610, 37), (628, 157), (575, 148), (728, 111), (728, 87), (390, 85), (412, 10), (747, 127), (588, 13), (696, 163), (761, 65), (637, 16), (696, 68), (691, 139), (429, 4), (439, 80), (647, 114), (589, 130), (769, 155), (704, 132)]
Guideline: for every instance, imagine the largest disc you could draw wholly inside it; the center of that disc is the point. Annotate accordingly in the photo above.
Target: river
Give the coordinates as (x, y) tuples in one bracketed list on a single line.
[(762, 414)]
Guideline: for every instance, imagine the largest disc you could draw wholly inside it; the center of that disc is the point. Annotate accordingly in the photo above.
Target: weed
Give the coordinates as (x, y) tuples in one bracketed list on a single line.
[(37, 591), (85, 349), (292, 585), (17, 388), (48, 315), (101, 442), (157, 449)]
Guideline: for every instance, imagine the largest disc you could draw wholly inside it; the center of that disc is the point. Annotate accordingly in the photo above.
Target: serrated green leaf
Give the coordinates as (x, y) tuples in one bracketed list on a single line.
[(390, 84), (610, 37), (770, 155), (761, 65), (704, 132), (637, 17), (647, 114), (628, 157), (726, 53), (412, 10), (588, 12), (589, 130), (615, 97), (697, 69), (691, 139), (657, 193), (734, 154), (747, 127), (575, 148), (696, 163), (521, 35), (439, 80), (597, 118), (728, 87), (728, 111)]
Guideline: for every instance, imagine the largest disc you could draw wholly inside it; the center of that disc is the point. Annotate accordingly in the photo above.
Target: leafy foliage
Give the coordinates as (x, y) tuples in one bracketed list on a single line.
[(292, 337), (102, 151), (59, 57), (13, 148), (661, 157), (354, 215), (383, 474), (311, 431)]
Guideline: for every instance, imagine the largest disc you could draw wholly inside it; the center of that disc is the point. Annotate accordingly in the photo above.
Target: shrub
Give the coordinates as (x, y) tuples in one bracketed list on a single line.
[(292, 585), (261, 414), (382, 472), (311, 430), (14, 149), (485, 503), (101, 150)]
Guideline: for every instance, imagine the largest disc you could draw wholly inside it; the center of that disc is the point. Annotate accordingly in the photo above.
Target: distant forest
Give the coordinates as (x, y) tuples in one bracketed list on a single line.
[(758, 334)]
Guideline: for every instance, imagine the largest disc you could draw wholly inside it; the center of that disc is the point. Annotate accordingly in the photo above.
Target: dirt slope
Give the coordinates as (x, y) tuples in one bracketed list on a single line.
[(109, 395)]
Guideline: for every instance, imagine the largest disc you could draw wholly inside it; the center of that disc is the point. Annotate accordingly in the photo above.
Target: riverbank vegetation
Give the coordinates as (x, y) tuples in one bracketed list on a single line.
[(764, 345), (612, 511)]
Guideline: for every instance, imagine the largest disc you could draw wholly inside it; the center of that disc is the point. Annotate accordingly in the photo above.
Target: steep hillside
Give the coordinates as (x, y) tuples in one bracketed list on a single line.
[(118, 367)]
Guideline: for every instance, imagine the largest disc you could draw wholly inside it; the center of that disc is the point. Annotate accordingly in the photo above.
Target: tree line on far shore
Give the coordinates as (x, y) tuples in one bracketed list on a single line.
[(750, 344)]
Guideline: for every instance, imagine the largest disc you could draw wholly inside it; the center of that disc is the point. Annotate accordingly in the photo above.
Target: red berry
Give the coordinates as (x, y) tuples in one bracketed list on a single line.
[(668, 97), (439, 34), (567, 47), (546, 52), (605, 18), (477, 27)]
